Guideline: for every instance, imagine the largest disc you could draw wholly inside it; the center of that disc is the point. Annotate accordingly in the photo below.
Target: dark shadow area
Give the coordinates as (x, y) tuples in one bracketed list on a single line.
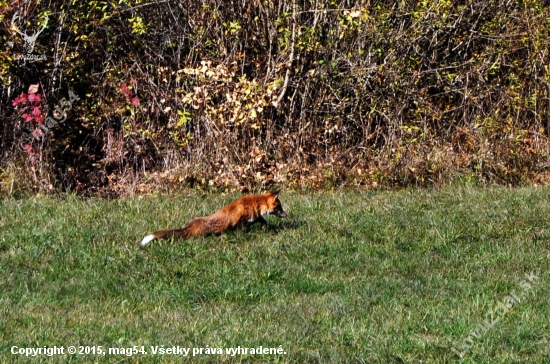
[(284, 224)]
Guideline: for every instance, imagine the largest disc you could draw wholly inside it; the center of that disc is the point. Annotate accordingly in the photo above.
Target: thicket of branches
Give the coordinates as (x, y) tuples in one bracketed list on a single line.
[(294, 92)]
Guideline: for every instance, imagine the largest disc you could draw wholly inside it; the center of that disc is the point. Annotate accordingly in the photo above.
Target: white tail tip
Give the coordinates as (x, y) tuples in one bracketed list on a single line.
[(146, 240)]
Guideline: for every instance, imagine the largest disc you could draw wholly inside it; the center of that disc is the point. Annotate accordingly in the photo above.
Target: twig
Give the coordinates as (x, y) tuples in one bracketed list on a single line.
[(289, 65)]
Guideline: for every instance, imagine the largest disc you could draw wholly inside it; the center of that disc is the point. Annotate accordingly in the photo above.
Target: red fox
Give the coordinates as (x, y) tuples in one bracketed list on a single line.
[(246, 211)]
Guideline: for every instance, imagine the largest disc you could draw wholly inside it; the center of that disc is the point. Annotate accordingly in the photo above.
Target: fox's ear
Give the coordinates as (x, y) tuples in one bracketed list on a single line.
[(275, 192)]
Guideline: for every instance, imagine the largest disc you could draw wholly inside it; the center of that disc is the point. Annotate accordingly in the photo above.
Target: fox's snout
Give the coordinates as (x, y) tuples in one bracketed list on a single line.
[(279, 213)]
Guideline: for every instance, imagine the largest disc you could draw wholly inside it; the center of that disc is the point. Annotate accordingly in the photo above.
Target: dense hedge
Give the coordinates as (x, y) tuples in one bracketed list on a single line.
[(241, 93)]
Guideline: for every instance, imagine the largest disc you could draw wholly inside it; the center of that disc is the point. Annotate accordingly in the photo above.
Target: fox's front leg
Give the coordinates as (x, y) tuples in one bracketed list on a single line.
[(262, 222), (260, 219)]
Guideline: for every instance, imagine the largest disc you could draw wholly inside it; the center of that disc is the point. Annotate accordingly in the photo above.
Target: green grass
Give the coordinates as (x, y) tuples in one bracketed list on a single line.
[(366, 277)]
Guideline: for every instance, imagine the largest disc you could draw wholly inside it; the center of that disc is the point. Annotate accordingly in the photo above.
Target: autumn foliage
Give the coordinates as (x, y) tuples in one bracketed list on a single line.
[(297, 93)]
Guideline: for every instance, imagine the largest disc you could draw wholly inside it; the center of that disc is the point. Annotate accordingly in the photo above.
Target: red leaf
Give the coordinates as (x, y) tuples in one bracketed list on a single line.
[(40, 119), (37, 133), (36, 112), (23, 98), (37, 98), (135, 101), (27, 118), (32, 97), (16, 102), (28, 148)]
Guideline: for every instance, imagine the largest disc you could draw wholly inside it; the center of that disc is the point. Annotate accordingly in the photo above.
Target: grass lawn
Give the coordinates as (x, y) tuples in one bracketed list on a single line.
[(415, 276)]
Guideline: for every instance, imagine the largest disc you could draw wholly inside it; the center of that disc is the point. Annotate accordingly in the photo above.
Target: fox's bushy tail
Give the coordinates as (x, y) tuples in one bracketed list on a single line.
[(184, 233), (197, 226)]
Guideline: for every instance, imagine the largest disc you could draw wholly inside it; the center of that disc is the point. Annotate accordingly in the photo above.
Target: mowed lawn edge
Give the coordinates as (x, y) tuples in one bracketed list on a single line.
[(456, 275)]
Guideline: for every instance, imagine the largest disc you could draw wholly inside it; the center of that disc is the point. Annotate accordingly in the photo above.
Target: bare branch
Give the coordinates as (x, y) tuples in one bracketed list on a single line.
[(289, 64)]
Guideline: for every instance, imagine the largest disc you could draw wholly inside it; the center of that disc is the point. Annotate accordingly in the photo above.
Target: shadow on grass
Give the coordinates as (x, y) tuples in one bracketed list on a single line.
[(283, 225), (239, 235)]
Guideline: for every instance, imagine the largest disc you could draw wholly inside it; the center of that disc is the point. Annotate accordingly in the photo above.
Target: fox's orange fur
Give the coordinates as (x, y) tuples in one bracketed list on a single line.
[(247, 210)]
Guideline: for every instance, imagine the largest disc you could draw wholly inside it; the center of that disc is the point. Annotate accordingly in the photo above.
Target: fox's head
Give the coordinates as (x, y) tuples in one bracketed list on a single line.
[(274, 206)]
